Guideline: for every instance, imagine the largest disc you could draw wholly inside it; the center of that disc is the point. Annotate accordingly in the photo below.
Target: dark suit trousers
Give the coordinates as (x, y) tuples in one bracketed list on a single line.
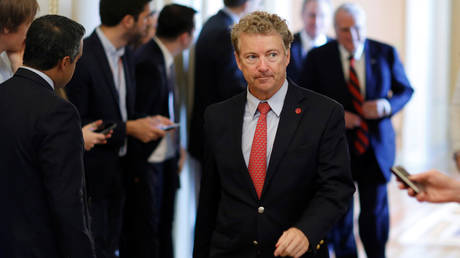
[(142, 212), (168, 198), (149, 211), (374, 212), (106, 216)]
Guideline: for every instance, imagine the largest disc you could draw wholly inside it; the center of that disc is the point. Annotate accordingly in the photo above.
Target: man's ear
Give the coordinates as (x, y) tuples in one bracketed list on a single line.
[(64, 62), (184, 37), (128, 21)]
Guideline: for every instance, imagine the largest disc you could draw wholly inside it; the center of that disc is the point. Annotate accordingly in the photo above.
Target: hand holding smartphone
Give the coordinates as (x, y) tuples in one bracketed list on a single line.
[(168, 127), (402, 174), (106, 128)]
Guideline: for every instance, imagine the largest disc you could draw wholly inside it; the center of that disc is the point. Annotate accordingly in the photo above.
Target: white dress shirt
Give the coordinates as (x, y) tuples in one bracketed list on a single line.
[(5, 67), (166, 149), (251, 116), (118, 72), (309, 43)]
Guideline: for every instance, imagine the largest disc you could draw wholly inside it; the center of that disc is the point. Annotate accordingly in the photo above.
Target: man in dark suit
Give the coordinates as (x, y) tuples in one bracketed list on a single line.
[(41, 155), (316, 16), (103, 88), (217, 76), (276, 180), (368, 79), (155, 165)]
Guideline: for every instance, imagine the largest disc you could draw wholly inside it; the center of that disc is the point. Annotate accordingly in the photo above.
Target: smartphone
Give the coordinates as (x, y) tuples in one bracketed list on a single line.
[(169, 127), (403, 175), (105, 128)]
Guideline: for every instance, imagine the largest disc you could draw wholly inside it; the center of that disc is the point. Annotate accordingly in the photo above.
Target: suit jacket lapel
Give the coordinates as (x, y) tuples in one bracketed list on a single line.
[(236, 130), (371, 89), (105, 66), (130, 88), (290, 117)]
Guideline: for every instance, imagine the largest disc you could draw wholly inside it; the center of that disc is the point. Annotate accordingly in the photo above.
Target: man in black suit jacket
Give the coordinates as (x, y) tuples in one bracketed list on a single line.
[(154, 165), (103, 88), (384, 90), (278, 194), (217, 76), (41, 155), (316, 16)]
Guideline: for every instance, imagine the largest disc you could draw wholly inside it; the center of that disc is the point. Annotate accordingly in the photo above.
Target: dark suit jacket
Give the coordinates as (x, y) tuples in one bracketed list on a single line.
[(41, 164), (217, 76), (297, 61), (152, 90), (385, 78), (92, 90), (308, 183)]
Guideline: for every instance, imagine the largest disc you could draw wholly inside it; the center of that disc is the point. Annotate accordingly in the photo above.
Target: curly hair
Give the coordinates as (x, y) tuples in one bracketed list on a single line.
[(260, 22)]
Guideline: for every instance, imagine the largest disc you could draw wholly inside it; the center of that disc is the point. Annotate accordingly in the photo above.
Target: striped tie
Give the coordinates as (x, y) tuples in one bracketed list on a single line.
[(361, 140)]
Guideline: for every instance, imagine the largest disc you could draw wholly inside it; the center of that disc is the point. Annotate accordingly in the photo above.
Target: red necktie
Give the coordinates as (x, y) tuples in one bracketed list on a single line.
[(258, 158), (361, 141)]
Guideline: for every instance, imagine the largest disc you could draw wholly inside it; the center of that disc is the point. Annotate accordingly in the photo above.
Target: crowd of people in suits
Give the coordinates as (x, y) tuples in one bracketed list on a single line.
[(285, 126)]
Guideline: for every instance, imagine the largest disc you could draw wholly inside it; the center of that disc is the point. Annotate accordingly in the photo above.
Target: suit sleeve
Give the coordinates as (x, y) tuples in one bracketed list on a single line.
[(149, 100), (400, 86), (61, 159), (334, 183), (208, 200)]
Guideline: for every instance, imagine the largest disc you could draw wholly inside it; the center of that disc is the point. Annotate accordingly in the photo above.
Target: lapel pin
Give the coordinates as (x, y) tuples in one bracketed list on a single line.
[(298, 110)]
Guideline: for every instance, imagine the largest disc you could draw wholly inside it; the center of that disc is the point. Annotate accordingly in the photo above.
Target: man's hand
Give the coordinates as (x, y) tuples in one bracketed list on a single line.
[(352, 120), (437, 187), (293, 243), (92, 138), (146, 129), (375, 109)]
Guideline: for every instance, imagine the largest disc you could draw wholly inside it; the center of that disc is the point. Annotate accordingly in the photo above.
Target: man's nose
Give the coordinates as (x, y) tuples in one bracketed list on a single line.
[(262, 65)]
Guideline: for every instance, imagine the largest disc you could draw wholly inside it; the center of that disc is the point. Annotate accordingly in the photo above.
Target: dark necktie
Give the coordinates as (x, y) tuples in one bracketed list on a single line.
[(258, 157), (361, 140)]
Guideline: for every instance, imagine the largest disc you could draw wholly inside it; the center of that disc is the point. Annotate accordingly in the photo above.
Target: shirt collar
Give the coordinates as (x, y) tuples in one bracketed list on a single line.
[(235, 17), (41, 74), (318, 41), (168, 57), (276, 101), (357, 55), (108, 46)]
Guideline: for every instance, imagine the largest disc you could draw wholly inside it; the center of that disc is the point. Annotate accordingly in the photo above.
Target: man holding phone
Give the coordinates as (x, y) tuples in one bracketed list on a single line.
[(44, 210), (436, 187), (103, 88), (155, 165)]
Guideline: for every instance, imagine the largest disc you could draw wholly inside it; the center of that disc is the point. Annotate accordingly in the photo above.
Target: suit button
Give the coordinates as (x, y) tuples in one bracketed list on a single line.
[(321, 242), (318, 246), (255, 243), (261, 210)]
